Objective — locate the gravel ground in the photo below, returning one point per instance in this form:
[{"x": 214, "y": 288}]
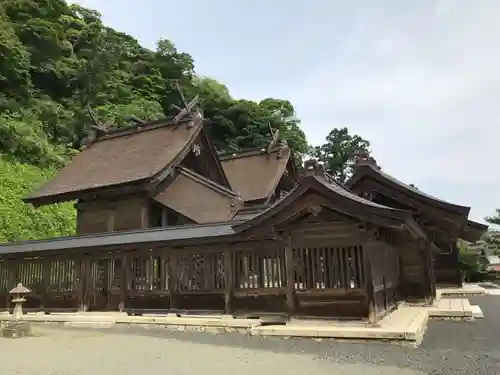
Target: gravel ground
[{"x": 449, "y": 348}]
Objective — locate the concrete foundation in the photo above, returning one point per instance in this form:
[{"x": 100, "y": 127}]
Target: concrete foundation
[{"x": 405, "y": 325}]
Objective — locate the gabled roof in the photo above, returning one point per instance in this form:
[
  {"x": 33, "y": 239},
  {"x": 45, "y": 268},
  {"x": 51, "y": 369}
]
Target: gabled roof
[
  {"x": 255, "y": 174},
  {"x": 199, "y": 198},
  {"x": 367, "y": 167},
  {"x": 343, "y": 200},
  {"x": 132, "y": 155}
]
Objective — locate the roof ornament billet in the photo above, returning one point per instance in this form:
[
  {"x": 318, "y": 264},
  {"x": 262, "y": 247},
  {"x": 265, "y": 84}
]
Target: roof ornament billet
[
  {"x": 364, "y": 158},
  {"x": 313, "y": 168}
]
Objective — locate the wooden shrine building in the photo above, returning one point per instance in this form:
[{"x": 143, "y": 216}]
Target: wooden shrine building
[
  {"x": 442, "y": 221},
  {"x": 166, "y": 224}
]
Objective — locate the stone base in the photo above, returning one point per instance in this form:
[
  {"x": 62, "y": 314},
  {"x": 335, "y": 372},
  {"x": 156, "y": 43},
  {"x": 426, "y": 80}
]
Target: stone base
[{"x": 13, "y": 330}]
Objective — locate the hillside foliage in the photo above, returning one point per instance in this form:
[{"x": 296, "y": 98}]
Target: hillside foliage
[{"x": 58, "y": 59}]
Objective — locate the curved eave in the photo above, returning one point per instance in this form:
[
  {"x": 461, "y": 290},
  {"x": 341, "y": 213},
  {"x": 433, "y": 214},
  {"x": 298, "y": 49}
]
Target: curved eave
[
  {"x": 473, "y": 231},
  {"x": 359, "y": 207},
  {"x": 128, "y": 187},
  {"x": 384, "y": 178}
]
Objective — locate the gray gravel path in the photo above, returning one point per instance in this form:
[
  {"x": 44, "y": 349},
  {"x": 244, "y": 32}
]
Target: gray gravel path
[{"x": 448, "y": 348}]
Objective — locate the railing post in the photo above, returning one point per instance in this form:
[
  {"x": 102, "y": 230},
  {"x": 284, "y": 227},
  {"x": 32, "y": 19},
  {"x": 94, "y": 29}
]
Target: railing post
[
  {"x": 285, "y": 240},
  {"x": 172, "y": 278},
  {"x": 124, "y": 282},
  {"x": 368, "y": 248},
  {"x": 84, "y": 284},
  {"x": 228, "y": 281}
]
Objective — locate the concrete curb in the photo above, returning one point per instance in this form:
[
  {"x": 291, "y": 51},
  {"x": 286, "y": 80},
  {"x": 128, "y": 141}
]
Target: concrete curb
[{"x": 395, "y": 327}]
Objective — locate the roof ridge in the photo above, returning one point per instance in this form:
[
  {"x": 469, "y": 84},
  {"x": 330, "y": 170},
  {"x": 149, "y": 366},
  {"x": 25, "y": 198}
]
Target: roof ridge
[
  {"x": 139, "y": 128},
  {"x": 250, "y": 152}
]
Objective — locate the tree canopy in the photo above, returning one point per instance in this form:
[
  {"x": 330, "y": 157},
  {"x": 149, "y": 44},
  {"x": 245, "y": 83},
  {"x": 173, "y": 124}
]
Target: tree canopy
[
  {"x": 56, "y": 59},
  {"x": 339, "y": 152}
]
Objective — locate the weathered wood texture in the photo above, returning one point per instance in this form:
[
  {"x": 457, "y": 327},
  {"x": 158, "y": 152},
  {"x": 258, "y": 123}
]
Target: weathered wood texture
[
  {"x": 107, "y": 216},
  {"x": 300, "y": 275},
  {"x": 447, "y": 264}
]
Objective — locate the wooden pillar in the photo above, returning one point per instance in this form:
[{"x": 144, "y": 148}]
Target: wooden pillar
[
  {"x": 163, "y": 256},
  {"x": 432, "y": 271},
  {"x": 145, "y": 216},
  {"x": 456, "y": 258},
  {"x": 149, "y": 271},
  {"x": 172, "y": 278},
  {"x": 11, "y": 280},
  {"x": 369, "y": 248},
  {"x": 429, "y": 286},
  {"x": 106, "y": 282},
  {"x": 46, "y": 267},
  {"x": 286, "y": 242},
  {"x": 85, "y": 284},
  {"x": 78, "y": 218},
  {"x": 124, "y": 277},
  {"x": 228, "y": 281}
]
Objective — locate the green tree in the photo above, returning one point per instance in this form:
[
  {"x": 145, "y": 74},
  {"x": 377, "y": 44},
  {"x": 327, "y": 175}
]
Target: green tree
[
  {"x": 57, "y": 59},
  {"x": 19, "y": 221},
  {"x": 339, "y": 152},
  {"x": 495, "y": 219}
]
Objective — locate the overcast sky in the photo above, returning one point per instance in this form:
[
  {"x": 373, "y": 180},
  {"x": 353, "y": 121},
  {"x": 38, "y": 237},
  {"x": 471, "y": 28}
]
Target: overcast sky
[{"x": 418, "y": 79}]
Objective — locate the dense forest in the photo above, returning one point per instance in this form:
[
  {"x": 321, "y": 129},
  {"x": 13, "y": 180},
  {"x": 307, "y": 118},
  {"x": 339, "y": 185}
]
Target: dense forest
[{"x": 57, "y": 59}]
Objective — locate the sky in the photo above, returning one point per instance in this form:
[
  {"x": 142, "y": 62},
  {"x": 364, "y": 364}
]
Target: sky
[{"x": 418, "y": 79}]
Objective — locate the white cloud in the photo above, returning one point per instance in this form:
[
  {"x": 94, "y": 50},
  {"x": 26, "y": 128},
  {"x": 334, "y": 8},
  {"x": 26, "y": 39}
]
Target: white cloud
[{"x": 427, "y": 98}]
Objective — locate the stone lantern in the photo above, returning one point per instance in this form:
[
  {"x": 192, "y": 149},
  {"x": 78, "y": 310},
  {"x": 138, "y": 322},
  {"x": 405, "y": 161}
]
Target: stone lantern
[
  {"x": 17, "y": 328},
  {"x": 19, "y": 292}
]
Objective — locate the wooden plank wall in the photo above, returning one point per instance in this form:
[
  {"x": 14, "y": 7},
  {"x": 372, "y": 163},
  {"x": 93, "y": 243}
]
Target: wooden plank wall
[{"x": 273, "y": 277}]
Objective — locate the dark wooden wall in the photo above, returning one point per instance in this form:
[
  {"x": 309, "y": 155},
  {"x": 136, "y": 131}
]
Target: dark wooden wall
[
  {"x": 107, "y": 216},
  {"x": 447, "y": 265}
]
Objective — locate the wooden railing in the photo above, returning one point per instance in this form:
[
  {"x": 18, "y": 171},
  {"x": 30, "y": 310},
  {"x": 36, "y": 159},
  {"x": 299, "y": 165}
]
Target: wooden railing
[{"x": 250, "y": 278}]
